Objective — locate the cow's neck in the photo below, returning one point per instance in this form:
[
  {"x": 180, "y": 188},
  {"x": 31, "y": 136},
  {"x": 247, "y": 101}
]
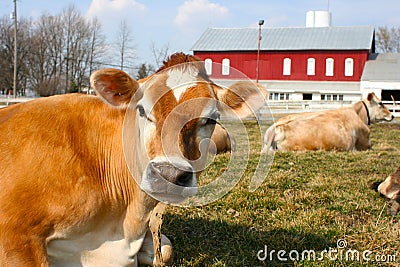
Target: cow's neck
[
  {"x": 363, "y": 112},
  {"x": 117, "y": 182}
]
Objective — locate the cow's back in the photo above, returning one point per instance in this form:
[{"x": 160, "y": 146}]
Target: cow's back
[
  {"x": 53, "y": 129},
  {"x": 327, "y": 130}
]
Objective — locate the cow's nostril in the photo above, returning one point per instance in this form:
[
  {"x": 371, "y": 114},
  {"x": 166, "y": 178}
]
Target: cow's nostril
[
  {"x": 374, "y": 186},
  {"x": 184, "y": 179},
  {"x": 174, "y": 174},
  {"x": 165, "y": 170}
]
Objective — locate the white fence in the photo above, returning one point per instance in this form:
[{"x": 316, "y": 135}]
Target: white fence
[
  {"x": 283, "y": 108},
  {"x": 6, "y": 101},
  {"x": 394, "y": 107}
]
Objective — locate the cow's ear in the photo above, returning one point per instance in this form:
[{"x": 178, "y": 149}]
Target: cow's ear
[
  {"x": 242, "y": 98},
  {"x": 115, "y": 86},
  {"x": 370, "y": 96}
]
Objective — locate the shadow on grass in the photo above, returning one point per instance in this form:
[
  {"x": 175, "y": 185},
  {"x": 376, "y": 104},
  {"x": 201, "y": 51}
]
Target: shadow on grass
[{"x": 200, "y": 242}]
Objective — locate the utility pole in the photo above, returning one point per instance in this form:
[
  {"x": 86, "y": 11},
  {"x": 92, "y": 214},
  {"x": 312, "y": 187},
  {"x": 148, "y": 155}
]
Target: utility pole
[
  {"x": 15, "y": 50},
  {"x": 260, "y": 23}
]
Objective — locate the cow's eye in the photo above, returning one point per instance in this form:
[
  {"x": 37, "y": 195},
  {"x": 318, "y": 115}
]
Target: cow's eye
[
  {"x": 142, "y": 112},
  {"x": 211, "y": 121}
]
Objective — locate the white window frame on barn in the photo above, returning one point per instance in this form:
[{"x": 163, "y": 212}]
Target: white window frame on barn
[
  {"x": 287, "y": 66},
  {"x": 311, "y": 66},
  {"x": 329, "y": 66},
  {"x": 226, "y": 66},
  {"x": 279, "y": 96},
  {"x": 331, "y": 97},
  {"x": 208, "y": 66},
  {"x": 348, "y": 67}
]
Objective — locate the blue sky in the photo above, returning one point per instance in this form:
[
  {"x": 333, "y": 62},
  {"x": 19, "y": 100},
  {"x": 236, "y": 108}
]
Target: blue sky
[{"x": 179, "y": 24}]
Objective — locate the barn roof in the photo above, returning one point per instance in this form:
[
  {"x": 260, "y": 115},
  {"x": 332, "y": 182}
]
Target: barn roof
[
  {"x": 304, "y": 38},
  {"x": 382, "y": 67}
]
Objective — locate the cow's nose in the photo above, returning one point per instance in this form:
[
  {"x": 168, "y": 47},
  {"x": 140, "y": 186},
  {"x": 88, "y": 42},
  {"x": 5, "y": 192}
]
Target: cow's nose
[
  {"x": 182, "y": 176},
  {"x": 374, "y": 186}
]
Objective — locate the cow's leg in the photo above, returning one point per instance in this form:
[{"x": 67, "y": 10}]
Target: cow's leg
[
  {"x": 363, "y": 142},
  {"x": 146, "y": 253},
  {"x": 17, "y": 249},
  {"x": 269, "y": 140}
]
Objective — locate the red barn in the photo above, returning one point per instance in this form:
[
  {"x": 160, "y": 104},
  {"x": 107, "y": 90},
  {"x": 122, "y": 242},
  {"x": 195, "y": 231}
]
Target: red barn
[{"x": 302, "y": 63}]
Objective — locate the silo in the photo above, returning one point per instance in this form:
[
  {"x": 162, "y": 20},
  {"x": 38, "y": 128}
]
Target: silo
[
  {"x": 310, "y": 19},
  {"x": 318, "y": 19}
]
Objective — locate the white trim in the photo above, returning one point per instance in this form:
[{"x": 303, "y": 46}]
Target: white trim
[
  {"x": 208, "y": 65},
  {"x": 311, "y": 66},
  {"x": 287, "y": 66},
  {"x": 329, "y": 66},
  {"x": 348, "y": 67},
  {"x": 226, "y": 64}
]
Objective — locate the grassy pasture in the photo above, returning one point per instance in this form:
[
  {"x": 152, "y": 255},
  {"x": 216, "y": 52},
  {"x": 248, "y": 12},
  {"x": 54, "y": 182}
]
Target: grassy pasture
[{"x": 309, "y": 201}]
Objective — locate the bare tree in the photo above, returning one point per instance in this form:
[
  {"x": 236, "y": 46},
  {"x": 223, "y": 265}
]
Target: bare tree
[
  {"x": 47, "y": 47},
  {"x": 160, "y": 54},
  {"x": 56, "y": 53},
  {"x": 24, "y": 51},
  {"x": 388, "y": 40},
  {"x": 124, "y": 45},
  {"x": 77, "y": 48},
  {"x": 97, "y": 45},
  {"x": 7, "y": 53},
  {"x": 83, "y": 42}
]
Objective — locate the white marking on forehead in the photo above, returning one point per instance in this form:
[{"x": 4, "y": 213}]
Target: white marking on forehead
[{"x": 179, "y": 80}]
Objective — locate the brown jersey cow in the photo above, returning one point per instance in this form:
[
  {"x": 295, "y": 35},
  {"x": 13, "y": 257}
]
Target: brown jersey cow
[
  {"x": 81, "y": 174},
  {"x": 342, "y": 129},
  {"x": 390, "y": 189},
  {"x": 222, "y": 141}
]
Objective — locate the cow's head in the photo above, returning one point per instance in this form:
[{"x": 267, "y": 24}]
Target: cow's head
[
  {"x": 390, "y": 189},
  {"x": 377, "y": 110},
  {"x": 169, "y": 120}
]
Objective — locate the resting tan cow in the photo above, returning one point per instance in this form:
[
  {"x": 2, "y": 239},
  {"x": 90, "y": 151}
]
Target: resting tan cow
[
  {"x": 222, "y": 141},
  {"x": 81, "y": 174},
  {"x": 342, "y": 129},
  {"x": 390, "y": 189}
]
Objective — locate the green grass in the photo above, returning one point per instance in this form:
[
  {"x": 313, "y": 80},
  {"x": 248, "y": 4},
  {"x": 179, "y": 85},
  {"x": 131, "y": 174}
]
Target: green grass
[{"x": 308, "y": 201}]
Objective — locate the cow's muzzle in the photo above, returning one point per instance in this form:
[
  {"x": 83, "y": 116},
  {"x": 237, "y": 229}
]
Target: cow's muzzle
[
  {"x": 374, "y": 186},
  {"x": 389, "y": 118},
  {"x": 393, "y": 203},
  {"x": 170, "y": 181},
  {"x": 179, "y": 175}
]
